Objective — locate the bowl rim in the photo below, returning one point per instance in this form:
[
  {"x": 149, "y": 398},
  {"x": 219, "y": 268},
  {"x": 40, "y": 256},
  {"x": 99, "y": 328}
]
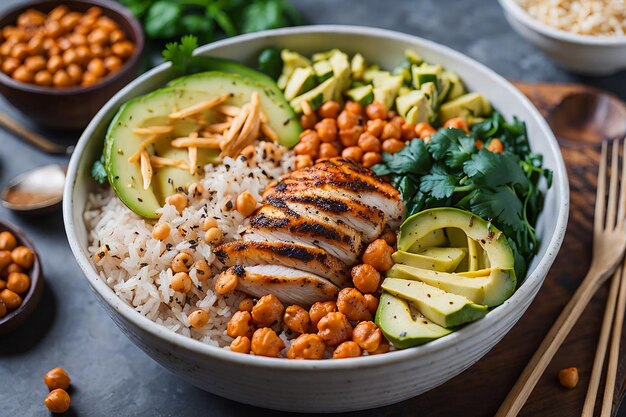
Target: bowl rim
[
  {"x": 513, "y": 8},
  {"x": 183, "y": 342},
  {"x": 106, "y": 81}
]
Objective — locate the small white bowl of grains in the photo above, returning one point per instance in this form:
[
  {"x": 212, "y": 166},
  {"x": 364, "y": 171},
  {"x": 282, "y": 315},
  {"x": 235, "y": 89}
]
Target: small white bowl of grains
[{"x": 583, "y": 36}]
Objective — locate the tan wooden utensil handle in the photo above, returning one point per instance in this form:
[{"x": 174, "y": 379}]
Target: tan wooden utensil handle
[{"x": 31, "y": 137}]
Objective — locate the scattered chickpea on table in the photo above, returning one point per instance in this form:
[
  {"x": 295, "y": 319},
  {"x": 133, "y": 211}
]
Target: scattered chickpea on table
[
  {"x": 57, "y": 381},
  {"x": 15, "y": 261}
]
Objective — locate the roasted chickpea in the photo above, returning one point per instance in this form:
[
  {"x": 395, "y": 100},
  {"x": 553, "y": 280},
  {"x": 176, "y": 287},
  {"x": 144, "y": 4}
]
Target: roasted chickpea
[
  {"x": 106, "y": 23},
  {"x": 112, "y": 63},
  {"x": 408, "y": 131},
  {"x": 9, "y": 65},
  {"x": 53, "y": 28},
  {"x": 365, "y": 278},
  {"x": 31, "y": 18},
  {"x": 424, "y": 130},
  {"x": 18, "y": 282},
  {"x": 43, "y": 78},
  {"x": 5, "y": 259},
  {"x": 370, "y": 159},
  {"x": 93, "y": 11},
  {"x": 181, "y": 282},
  {"x": 64, "y": 44},
  {"x": 267, "y": 311},
  {"x": 245, "y": 204},
  {"x": 75, "y": 72},
  {"x": 391, "y": 131},
  {"x": 306, "y": 148},
  {"x": 457, "y": 123},
  {"x": 347, "y": 349},
  {"x": 320, "y": 309},
  {"x": 378, "y": 254},
  {"x": 328, "y": 150},
  {"x": 61, "y": 79},
  {"x": 3, "y": 307},
  {"x": 395, "y": 119},
  {"x": 178, "y": 200},
  {"x": 89, "y": 79},
  {"x": 297, "y": 319},
  {"x": 350, "y": 137},
  {"x": 240, "y": 324},
  {"x": 57, "y": 378},
  {"x": 334, "y": 328},
  {"x": 58, "y": 12},
  {"x": 161, "y": 231},
  {"x": 568, "y": 377},
  {"x": 23, "y": 256},
  {"x": 12, "y": 267},
  {"x": 495, "y": 145},
  {"x": 307, "y": 346},
  {"x": 303, "y": 161},
  {"x": 35, "y": 63},
  {"x": 371, "y": 302},
  {"x": 19, "y": 51},
  {"x": 55, "y": 63},
  {"x": 367, "y": 335},
  {"x": 347, "y": 120},
  {"x": 98, "y": 36},
  {"x": 57, "y": 401},
  {"x": 208, "y": 223},
  {"x": 116, "y": 36},
  {"x": 198, "y": 319},
  {"x": 69, "y": 57},
  {"x": 308, "y": 121},
  {"x": 123, "y": 49},
  {"x": 11, "y": 299},
  {"x": 353, "y": 152},
  {"x": 353, "y": 107},
  {"x": 23, "y": 74},
  {"x": 213, "y": 236},
  {"x": 382, "y": 348},
  {"x": 352, "y": 304},
  {"x": 392, "y": 145},
  {"x": 246, "y": 304},
  {"x": 96, "y": 67},
  {"x": 310, "y": 136},
  {"x": 241, "y": 344},
  {"x": 83, "y": 54},
  {"x": 327, "y": 130},
  {"x": 376, "y": 111},
  {"x": 375, "y": 127},
  {"x": 203, "y": 270},
  {"x": 226, "y": 282},
  {"x": 330, "y": 109},
  {"x": 265, "y": 342},
  {"x": 390, "y": 237},
  {"x": 369, "y": 143},
  {"x": 182, "y": 262},
  {"x": 70, "y": 20}
]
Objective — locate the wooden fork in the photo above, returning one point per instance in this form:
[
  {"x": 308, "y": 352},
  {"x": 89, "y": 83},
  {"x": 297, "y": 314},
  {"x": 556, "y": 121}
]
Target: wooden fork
[{"x": 609, "y": 243}]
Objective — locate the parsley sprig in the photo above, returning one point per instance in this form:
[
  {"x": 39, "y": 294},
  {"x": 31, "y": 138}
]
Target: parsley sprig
[{"x": 450, "y": 171}]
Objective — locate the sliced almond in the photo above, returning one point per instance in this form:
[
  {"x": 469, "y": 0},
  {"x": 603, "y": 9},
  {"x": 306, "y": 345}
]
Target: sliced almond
[
  {"x": 142, "y": 147},
  {"x": 153, "y": 130},
  {"x": 159, "y": 162},
  {"x": 217, "y": 127},
  {"x": 229, "y": 110},
  {"x": 193, "y": 159},
  {"x": 199, "y": 107},
  {"x": 199, "y": 142},
  {"x": 146, "y": 169}
]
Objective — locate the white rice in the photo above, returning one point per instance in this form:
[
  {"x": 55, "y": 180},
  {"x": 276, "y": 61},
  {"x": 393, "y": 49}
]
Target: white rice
[{"x": 138, "y": 267}]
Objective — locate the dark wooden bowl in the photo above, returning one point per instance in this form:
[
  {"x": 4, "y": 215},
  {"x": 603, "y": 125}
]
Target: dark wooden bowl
[
  {"x": 73, "y": 107},
  {"x": 29, "y": 302}
]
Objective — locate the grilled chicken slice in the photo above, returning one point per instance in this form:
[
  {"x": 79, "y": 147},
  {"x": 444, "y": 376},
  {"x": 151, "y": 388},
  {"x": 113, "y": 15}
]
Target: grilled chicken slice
[
  {"x": 274, "y": 224},
  {"x": 291, "y": 286},
  {"x": 305, "y": 258}
]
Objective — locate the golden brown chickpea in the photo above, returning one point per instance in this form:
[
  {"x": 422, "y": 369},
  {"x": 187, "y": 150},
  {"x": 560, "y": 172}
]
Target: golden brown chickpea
[
  {"x": 369, "y": 143},
  {"x": 568, "y": 377},
  {"x": 347, "y": 120},
  {"x": 83, "y": 54},
  {"x": 61, "y": 79},
  {"x": 303, "y": 161},
  {"x": 13, "y": 267},
  {"x": 5, "y": 259},
  {"x": 23, "y": 74},
  {"x": 116, "y": 36},
  {"x": 375, "y": 127},
  {"x": 31, "y": 18},
  {"x": 69, "y": 57},
  {"x": 43, "y": 78},
  {"x": 367, "y": 335},
  {"x": 9, "y": 65},
  {"x": 352, "y": 304},
  {"x": 424, "y": 130},
  {"x": 226, "y": 282},
  {"x": 181, "y": 282},
  {"x": 198, "y": 319},
  {"x": 70, "y": 20},
  {"x": 75, "y": 72},
  {"x": 265, "y": 342},
  {"x": 327, "y": 130},
  {"x": 96, "y": 67},
  {"x": 55, "y": 63},
  {"x": 395, "y": 119},
  {"x": 370, "y": 159},
  {"x": 64, "y": 44},
  {"x": 203, "y": 270},
  {"x": 53, "y": 29},
  {"x": 350, "y": 137},
  {"x": 106, "y": 23},
  {"x": 14, "y": 33},
  {"x": 306, "y": 148},
  {"x": 19, "y": 51},
  {"x": 241, "y": 344},
  {"x": 57, "y": 401},
  {"x": 246, "y": 203},
  {"x": 35, "y": 63},
  {"x": 378, "y": 254},
  {"x": 392, "y": 145},
  {"x": 98, "y": 36},
  {"x": 123, "y": 49},
  {"x": 112, "y": 63},
  {"x": 178, "y": 200},
  {"x": 23, "y": 256},
  {"x": 58, "y": 12},
  {"x": 365, "y": 278},
  {"x": 307, "y": 346},
  {"x": 376, "y": 111},
  {"x": 320, "y": 309},
  {"x": 391, "y": 131},
  {"x": 371, "y": 302},
  {"x": 329, "y": 110},
  {"x": 3, "y": 307},
  {"x": 382, "y": 348},
  {"x": 347, "y": 349},
  {"x": 3, "y": 284},
  {"x": 77, "y": 39},
  {"x": 353, "y": 107},
  {"x": 353, "y": 152},
  {"x": 390, "y": 237},
  {"x": 57, "y": 378},
  {"x": 310, "y": 136},
  {"x": 208, "y": 223},
  {"x": 267, "y": 311},
  {"x": 408, "y": 131},
  {"x": 246, "y": 304},
  {"x": 297, "y": 319},
  {"x": 495, "y": 146},
  {"x": 89, "y": 79},
  {"x": 308, "y": 121},
  {"x": 213, "y": 236},
  {"x": 35, "y": 46},
  {"x": 11, "y": 299},
  {"x": 182, "y": 262},
  {"x": 93, "y": 11},
  {"x": 328, "y": 150},
  {"x": 334, "y": 328},
  {"x": 18, "y": 282},
  {"x": 240, "y": 324},
  {"x": 161, "y": 231}
]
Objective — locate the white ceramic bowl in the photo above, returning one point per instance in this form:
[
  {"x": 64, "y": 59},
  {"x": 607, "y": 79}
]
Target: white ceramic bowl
[
  {"x": 582, "y": 54},
  {"x": 325, "y": 386}
]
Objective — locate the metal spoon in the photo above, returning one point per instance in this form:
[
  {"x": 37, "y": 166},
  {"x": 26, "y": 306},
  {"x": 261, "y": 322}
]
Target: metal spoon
[{"x": 35, "y": 192}]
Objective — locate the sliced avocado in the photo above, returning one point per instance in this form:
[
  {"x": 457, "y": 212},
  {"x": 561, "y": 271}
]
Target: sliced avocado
[
  {"x": 323, "y": 56},
  {"x": 445, "y": 309},
  {"x": 341, "y": 72},
  {"x": 323, "y": 70},
  {"x": 406, "y": 102},
  {"x": 473, "y": 253},
  {"x": 404, "y": 90},
  {"x": 444, "y": 89},
  {"x": 401, "y": 326},
  {"x": 457, "y": 89},
  {"x": 435, "y": 238},
  {"x": 470, "y": 104},
  {"x": 315, "y": 97},
  {"x": 492, "y": 241},
  {"x": 404, "y": 72},
  {"x": 413, "y": 57},
  {"x": 386, "y": 89},
  {"x": 491, "y": 290},
  {"x": 425, "y": 73},
  {"x": 282, "y": 118},
  {"x": 301, "y": 81},
  {"x": 437, "y": 259},
  {"x": 291, "y": 61},
  {"x": 418, "y": 114},
  {"x": 374, "y": 73},
  {"x": 357, "y": 66},
  {"x": 363, "y": 95}
]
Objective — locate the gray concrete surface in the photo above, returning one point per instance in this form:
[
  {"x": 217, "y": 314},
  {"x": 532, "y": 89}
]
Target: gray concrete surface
[{"x": 111, "y": 377}]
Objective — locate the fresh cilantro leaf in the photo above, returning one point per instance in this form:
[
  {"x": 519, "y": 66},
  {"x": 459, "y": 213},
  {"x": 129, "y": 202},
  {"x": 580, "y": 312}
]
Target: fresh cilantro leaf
[
  {"x": 451, "y": 145},
  {"x": 162, "y": 20},
  {"x": 412, "y": 159},
  {"x": 501, "y": 205},
  {"x": 438, "y": 183},
  {"x": 262, "y": 15},
  {"x": 494, "y": 169},
  {"x": 98, "y": 172},
  {"x": 181, "y": 54}
]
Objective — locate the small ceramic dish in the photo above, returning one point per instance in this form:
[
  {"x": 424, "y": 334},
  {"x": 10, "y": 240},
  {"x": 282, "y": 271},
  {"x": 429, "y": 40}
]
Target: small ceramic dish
[{"x": 16, "y": 317}]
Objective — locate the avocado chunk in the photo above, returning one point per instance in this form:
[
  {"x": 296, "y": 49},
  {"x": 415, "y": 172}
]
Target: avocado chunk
[
  {"x": 403, "y": 327},
  {"x": 301, "y": 81},
  {"x": 363, "y": 95},
  {"x": 457, "y": 89},
  {"x": 436, "y": 237},
  {"x": 341, "y": 72},
  {"x": 470, "y": 104},
  {"x": 323, "y": 70},
  {"x": 491, "y": 289},
  {"x": 406, "y": 102},
  {"x": 291, "y": 61},
  {"x": 282, "y": 118},
  {"x": 357, "y": 66},
  {"x": 425, "y": 73},
  {"x": 315, "y": 97},
  {"x": 437, "y": 259},
  {"x": 386, "y": 89},
  {"x": 413, "y": 57},
  {"x": 445, "y": 309}
]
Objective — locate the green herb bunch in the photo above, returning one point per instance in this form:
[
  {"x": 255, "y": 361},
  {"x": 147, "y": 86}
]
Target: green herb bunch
[{"x": 450, "y": 171}]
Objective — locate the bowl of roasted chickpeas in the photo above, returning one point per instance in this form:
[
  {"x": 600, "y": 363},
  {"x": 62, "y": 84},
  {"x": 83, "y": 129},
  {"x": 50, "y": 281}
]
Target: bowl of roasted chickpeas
[
  {"x": 60, "y": 61},
  {"x": 21, "y": 282}
]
